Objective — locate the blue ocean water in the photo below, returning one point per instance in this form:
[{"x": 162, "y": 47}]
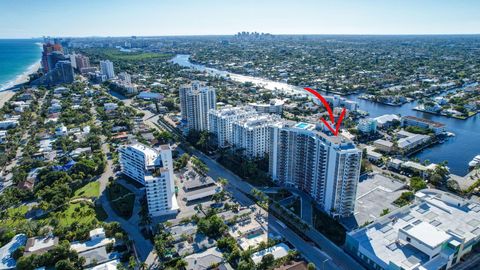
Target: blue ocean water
[{"x": 16, "y": 56}]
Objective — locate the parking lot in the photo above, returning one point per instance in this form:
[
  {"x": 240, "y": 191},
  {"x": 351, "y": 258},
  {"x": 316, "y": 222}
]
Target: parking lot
[{"x": 374, "y": 194}]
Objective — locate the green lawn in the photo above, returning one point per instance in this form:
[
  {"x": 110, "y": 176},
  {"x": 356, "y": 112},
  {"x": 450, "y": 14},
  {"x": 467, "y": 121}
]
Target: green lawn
[
  {"x": 90, "y": 190},
  {"x": 121, "y": 200},
  {"x": 80, "y": 212},
  {"x": 15, "y": 217}
]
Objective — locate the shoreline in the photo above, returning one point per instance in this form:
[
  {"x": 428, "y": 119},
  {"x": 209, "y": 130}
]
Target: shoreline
[{"x": 7, "y": 90}]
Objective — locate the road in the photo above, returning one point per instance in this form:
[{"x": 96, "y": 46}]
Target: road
[
  {"x": 336, "y": 258},
  {"x": 143, "y": 247},
  {"x": 306, "y": 203},
  {"x": 18, "y": 155},
  {"x": 238, "y": 187}
]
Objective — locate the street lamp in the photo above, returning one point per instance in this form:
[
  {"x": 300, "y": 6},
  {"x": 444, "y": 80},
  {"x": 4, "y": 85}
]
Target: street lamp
[{"x": 323, "y": 264}]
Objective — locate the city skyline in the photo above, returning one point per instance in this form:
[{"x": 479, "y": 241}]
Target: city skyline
[{"x": 168, "y": 18}]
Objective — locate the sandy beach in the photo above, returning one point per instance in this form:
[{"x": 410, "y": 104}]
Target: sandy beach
[{"x": 7, "y": 91}]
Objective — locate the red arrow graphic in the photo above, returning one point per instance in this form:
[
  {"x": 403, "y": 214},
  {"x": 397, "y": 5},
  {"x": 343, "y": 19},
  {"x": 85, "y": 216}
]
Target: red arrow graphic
[{"x": 330, "y": 112}]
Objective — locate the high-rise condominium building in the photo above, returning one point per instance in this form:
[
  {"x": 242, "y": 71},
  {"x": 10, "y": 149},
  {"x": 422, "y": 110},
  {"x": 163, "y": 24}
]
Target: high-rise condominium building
[
  {"x": 125, "y": 77},
  {"x": 154, "y": 169},
  {"x": 252, "y": 134},
  {"x": 106, "y": 68},
  {"x": 196, "y": 99},
  {"x": 49, "y": 48},
  {"x": 220, "y": 122},
  {"x": 81, "y": 62},
  {"x": 325, "y": 167},
  {"x": 61, "y": 73}
]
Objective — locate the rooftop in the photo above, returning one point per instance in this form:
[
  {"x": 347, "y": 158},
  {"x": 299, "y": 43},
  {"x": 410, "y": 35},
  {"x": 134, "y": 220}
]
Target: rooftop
[
  {"x": 40, "y": 245},
  {"x": 278, "y": 251},
  {"x": 233, "y": 111},
  {"x": 387, "y": 118},
  {"x": 150, "y": 153},
  {"x": 201, "y": 261},
  {"x": 111, "y": 265},
  {"x": 6, "y": 261},
  {"x": 260, "y": 120},
  {"x": 91, "y": 244},
  {"x": 198, "y": 182},
  {"x": 435, "y": 217},
  {"x": 383, "y": 142},
  {"x": 405, "y": 142},
  {"x": 423, "y": 120},
  {"x": 427, "y": 234}
]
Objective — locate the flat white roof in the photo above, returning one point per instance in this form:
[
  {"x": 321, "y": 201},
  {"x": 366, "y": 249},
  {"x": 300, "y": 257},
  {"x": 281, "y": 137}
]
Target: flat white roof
[
  {"x": 6, "y": 260},
  {"x": 278, "y": 251},
  {"x": 111, "y": 265},
  {"x": 438, "y": 214},
  {"x": 91, "y": 244},
  {"x": 150, "y": 153},
  {"x": 428, "y": 234},
  {"x": 39, "y": 243},
  {"x": 386, "y": 118},
  {"x": 383, "y": 142}
]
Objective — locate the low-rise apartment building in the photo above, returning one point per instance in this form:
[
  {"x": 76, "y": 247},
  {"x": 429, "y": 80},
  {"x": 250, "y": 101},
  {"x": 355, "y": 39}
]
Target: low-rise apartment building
[{"x": 434, "y": 232}]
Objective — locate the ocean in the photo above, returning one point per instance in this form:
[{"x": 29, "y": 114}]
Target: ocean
[{"x": 16, "y": 57}]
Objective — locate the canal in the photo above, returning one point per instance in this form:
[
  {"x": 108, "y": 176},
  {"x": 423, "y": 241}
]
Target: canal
[{"x": 458, "y": 150}]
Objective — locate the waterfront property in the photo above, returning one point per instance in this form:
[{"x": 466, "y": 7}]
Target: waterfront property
[
  {"x": 457, "y": 151},
  {"x": 435, "y": 232},
  {"x": 437, "y": 127}
]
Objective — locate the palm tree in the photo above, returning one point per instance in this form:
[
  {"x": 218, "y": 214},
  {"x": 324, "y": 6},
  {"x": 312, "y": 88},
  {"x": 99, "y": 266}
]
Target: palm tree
[
  {"x": 181, "y": 264},
  {"x": 222, "y": 181},
  {"x": 204, "y": 139}
]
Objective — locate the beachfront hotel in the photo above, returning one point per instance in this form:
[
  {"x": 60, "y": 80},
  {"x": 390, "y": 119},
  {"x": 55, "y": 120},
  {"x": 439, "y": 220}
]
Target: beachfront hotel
[
  {"x": 325, "y": 167},
  {"x": 154, "y": 169},
  {"x": 434, "y": 232}
]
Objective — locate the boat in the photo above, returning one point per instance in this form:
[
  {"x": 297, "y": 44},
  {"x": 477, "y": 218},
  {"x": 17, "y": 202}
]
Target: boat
[
  {"x": 475, "y": 162},
  {"x": 450, "y": 134}
]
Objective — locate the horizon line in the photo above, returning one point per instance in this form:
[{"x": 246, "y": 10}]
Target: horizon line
[{"x": 231, "y": 35}]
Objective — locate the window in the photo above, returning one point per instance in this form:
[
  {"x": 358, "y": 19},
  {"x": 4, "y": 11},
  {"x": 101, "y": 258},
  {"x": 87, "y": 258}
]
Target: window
[{"x": 408, "y": 239}]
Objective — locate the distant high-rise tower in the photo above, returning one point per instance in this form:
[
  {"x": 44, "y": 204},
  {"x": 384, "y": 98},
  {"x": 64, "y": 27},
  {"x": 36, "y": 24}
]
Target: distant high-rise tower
[
  {"x": 48, "y": 49},
  {"x": 65, "y": 70},
  {"x": 81, "y": 62},
  {"x": 61, "y": 73},
  {"x": 326, "y": 167},
  {"x": 196, "y": 100},
  {"x": 106, "y": 68}
]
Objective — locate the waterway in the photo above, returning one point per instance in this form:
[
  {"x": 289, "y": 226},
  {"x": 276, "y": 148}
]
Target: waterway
[{"x": 457, "y": 151}]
